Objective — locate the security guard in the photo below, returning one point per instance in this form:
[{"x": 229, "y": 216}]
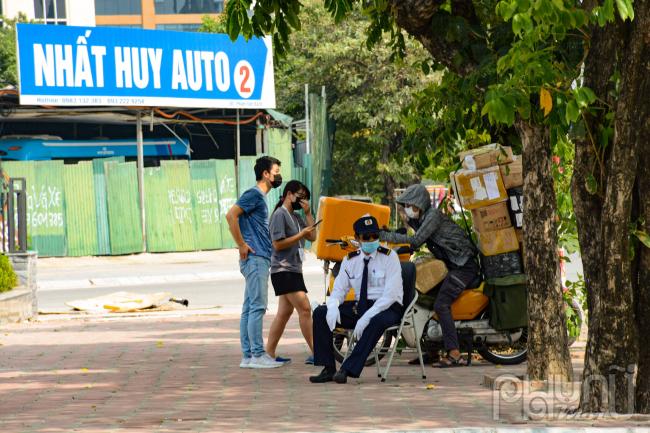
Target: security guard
[{"x": 375, "y": 274}]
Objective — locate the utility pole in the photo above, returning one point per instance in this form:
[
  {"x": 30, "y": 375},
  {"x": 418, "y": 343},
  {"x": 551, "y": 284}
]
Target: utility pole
[{"x": 140, "y": 144}]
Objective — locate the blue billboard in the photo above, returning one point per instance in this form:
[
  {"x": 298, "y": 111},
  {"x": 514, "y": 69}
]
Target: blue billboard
[{"x": 66, "y": 65}]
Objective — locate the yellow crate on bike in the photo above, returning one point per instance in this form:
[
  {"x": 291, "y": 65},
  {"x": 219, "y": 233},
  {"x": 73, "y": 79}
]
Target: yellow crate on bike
[{"x": 338, "y": 215}]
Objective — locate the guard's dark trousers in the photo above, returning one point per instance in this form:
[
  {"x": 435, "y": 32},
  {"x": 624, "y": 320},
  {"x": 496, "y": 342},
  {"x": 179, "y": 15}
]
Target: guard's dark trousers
[{"x": 323, "y": 349}]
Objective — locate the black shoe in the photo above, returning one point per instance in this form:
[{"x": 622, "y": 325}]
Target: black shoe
[
  {"x": 341, "y": 376},
  {"x": 327, "y": 375},
  {"x": 427, "y": 358}
]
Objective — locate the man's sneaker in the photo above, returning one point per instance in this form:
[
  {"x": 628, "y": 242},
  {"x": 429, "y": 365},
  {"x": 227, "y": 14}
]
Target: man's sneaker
[
  {"x": 310, "y": 360},
  {"x": 264, "y": 361},
  {"x": 283, "y": 360},
  {"x": 245, "y": 363}
]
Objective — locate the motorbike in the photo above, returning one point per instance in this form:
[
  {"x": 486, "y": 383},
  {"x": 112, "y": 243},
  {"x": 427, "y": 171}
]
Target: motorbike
[{"x": 470, "y": 311}]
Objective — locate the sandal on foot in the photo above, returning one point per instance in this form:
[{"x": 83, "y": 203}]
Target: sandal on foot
[{"x": 450, "y": 362}]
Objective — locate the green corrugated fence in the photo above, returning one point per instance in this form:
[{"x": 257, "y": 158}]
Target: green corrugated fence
[
  {"x": 80, "y": 210},
  {"x": 123, "y": 208},
  {"x": 93, "y": 207}
]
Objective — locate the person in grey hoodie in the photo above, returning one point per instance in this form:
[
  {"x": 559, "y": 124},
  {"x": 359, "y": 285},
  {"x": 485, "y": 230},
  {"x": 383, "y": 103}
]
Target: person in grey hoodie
[{"x": 448, "y": 242}]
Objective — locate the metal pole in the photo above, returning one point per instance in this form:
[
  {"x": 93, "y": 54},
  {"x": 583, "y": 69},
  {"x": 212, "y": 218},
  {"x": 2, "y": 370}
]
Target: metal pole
[
  {"x": 307, "y": 140},
  {"x": 140, "y": 141},
  {"x": 238, "y": 142}
]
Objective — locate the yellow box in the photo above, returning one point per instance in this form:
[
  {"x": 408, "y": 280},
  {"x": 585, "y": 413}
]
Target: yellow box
[
  {"x": 490, "y": 218},
  {"x": 479, "y": 188},
  {"x": 429, "y": 272},
  {"x": 512, "y": 173},
  {"x": 338, "y": 215},
  {"x": 486, "y": 156},
  {"x": 498, "y": 242}
]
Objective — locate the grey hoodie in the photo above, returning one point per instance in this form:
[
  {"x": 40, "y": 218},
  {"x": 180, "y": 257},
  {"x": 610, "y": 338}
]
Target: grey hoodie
[{"x": 444, "y": 238}]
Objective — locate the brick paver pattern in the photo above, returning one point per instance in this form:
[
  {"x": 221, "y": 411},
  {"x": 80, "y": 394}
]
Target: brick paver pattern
[{"x": 180, "y": 373}]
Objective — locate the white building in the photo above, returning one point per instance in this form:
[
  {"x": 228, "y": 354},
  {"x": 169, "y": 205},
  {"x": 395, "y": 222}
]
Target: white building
[
  {"x": 180, "y": 15},
  {"x": 65, "y": 12}
]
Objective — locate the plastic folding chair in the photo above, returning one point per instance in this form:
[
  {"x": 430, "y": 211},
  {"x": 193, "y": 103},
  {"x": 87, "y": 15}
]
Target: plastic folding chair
[{"x": 408, "y": 321}]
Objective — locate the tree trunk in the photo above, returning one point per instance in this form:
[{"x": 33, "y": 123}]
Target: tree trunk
[
  {"x": 599, "y": 67},
  {"x": 643, "y": 287},
  {"x": 611, "y": 276},
  {"x": 548, "y": 350},
  {"x": 642, "y": 128}
]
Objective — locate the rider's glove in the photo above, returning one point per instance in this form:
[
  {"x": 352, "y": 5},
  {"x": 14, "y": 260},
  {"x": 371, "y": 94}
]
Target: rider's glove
[
  {"x": 361, "y": 326},
  {"x": 333, "y": 314}
]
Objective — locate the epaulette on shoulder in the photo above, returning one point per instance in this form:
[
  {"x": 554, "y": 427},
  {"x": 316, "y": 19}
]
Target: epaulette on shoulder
[
  {"x": 354, "y": 254},
  {"x": 384, "y": 250}
]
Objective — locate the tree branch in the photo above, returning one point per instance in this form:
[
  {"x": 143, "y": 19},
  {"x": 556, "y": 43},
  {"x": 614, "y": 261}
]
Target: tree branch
[{"x": 415, "y": 17}]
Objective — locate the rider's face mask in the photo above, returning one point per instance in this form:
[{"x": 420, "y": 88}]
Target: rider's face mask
[{"x": 411, "y": 213}]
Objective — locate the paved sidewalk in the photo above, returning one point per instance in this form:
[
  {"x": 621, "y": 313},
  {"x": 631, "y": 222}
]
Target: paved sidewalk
[{"x": 171, "y": 372}]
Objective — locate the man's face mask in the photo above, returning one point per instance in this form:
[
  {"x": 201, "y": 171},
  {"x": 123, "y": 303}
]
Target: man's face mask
[
  {"x": 411, "y": 213},
  {"x": 277, "y": 181}
]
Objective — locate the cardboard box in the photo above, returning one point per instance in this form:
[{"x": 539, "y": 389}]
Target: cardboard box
[
  {"x": 498, "y": 242},
  {"x": 520, "y": 239},
  {"x": 486, "y": 156},
  {"x": 429, "y": 272},
  {"x": 338, "y": 215},
  {"x": 490, "y": 218},
  {"x": 479, "y": 188},
  {"x": 512, "y": 173}
]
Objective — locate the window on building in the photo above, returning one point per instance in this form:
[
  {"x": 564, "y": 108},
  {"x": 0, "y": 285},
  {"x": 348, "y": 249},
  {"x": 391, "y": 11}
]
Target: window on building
[
  {"x": 50, "y": 11},
  {"x": 124, "y": 26},
  {"x": 179, "y": 27},
  {"x": 118, "y": 7},
  {"x": 189, "y": 6}
]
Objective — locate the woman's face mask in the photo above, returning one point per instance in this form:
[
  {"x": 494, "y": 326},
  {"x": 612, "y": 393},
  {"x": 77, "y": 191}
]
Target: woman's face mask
[{"x": 411, "y": 213}]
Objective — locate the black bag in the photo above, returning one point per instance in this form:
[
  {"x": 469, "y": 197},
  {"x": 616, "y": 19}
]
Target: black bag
[
  {"x": 502, "y": 265},
  {"x": 508, "y": 301}
]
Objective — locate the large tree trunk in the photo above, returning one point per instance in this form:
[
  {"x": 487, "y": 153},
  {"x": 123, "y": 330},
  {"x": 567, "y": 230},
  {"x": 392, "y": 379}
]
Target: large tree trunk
[
  {"x": 611, "y": 276},
  {"x": 548, "y": 350},
  {"x": 641, "y": 124},
  {"x": 643, "y": 287},
  {"x": 587, "y": 208}
]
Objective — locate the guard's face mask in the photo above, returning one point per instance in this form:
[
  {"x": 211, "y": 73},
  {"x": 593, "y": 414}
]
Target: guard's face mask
[{"x": 370, "y": 247}]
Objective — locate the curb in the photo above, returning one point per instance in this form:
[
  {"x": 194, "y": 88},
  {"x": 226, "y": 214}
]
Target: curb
[{"x": 53, "y": 285}]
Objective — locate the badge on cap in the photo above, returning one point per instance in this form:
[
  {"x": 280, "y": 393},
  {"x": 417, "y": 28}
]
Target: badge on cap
[{"x": 368, "y": 222}]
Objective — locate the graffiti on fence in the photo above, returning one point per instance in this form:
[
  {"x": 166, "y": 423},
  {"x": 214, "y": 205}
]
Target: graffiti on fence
[
  {"x": 44, "y": 207},
  {"x": 181, "y": 202},
  {"x": 207, "y": 201}
]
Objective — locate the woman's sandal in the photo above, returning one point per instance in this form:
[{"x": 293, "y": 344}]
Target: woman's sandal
[{"x": 451, "y": 362}]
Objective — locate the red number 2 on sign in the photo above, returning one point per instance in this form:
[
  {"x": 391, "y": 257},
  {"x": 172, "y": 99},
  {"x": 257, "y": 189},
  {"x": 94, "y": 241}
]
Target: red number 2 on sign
[{"x": 243, "y": 70}]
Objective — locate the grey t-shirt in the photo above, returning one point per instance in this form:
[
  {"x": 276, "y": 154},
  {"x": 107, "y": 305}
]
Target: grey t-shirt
[{"x": 284, "y": 225}]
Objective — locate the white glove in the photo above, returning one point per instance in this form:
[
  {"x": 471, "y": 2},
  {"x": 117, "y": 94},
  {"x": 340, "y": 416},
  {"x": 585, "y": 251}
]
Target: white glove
[
  {"x": 333, "y": 315},
  {"x": 362, "y": 323}
]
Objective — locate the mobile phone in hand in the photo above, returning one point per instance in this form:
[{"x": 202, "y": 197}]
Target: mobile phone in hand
[{"x": 317, "y": 222}]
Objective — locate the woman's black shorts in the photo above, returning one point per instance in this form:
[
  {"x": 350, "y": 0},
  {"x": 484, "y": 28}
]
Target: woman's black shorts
[{"x": 287, "y": 282}]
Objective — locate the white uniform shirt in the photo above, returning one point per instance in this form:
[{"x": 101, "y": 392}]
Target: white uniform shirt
[{"x": 384, "y": 281}]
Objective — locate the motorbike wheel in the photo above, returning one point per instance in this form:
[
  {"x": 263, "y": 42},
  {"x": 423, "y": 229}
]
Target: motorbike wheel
[
  {"x": 340, "y": 342},
  {"x": 506, "y": 354}
]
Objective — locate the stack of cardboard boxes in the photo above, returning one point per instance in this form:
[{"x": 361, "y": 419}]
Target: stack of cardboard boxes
[{"x": 490, "y": 186}]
